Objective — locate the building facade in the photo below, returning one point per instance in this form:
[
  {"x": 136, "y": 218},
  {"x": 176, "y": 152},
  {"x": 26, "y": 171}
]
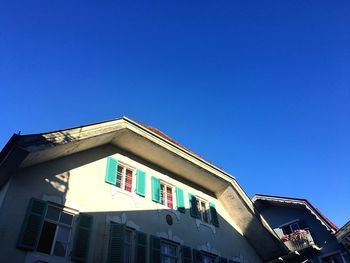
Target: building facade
[
  {"x": 308, "y": 234},
  {"x": 343, "y": 236},
  {"x": 120, "y": 191}
]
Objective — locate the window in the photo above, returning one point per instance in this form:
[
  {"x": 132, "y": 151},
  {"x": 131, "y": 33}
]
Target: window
[
  {"x": 126, "y": 244},
  {"x": 129, "y": 245},
  {"x": 203, "y": 208},
  {"x": 56, "y": 232},
  {"x": 168, "y": 252},
  {"x": 47, "y": 228},
  {"x": 288, "y": 229},
  {"x": 163, "y": 193},
  {"x": 166, "y": 195},
  {"x": 124, "y": 178},
  {"x": 205, "y": 257},
  {"x": 335, "y": 258}
]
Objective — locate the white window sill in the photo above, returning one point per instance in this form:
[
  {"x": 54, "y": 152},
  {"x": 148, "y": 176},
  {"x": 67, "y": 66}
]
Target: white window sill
[{"x": 115, "y": 190}]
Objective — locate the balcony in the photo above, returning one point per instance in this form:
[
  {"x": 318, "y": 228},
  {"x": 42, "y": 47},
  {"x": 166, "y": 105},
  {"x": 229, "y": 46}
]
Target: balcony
[{"x": 298, "y": 240}]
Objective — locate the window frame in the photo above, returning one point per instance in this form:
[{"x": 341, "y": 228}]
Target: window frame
[
  {"x": 132, "y": 244},
  {"x": 177, "y": 257},
  {"x": 200, "y": 201},
  {"x": 126, "y": 167},
  {"x": 165, "y": 196},
  {"x": 59, "y": 225},
  {"x": 289, "y": 227},
  {"x": 210, "y": 255}
]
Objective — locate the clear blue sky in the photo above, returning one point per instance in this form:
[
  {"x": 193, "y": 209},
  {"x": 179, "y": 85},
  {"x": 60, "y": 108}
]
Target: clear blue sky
[{"x": 260, "y": 88}]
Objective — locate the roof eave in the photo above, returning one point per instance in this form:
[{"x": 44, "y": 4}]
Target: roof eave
[{"x": 300, "y": 201}]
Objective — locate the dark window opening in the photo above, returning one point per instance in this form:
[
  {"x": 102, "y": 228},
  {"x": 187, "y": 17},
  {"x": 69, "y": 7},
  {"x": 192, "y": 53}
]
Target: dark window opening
[{"x": 46, "y": 238}]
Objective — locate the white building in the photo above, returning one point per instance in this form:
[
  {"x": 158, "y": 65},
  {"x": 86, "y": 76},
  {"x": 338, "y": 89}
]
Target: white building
[{"x": 120, "y": 191}]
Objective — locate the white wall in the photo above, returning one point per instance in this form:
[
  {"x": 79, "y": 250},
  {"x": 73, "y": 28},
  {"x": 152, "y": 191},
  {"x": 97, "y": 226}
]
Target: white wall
[{"x": 78, "y": 182}]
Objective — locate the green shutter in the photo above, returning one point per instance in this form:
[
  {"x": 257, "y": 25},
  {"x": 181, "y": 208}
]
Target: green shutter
[
  {"x": 155, "y": 249},
  {"x": 141, "y": 183},
  {"x": 155, "y": 189},
  {"x": 32, "y": 224},
  {"x": 193, "y": 206},
  {"x": 186, "y": 254},
  {"x": 214, "y": 215},
  {"x": 82, "y": 238},
  {"x": 111, "y": 171},
  {"x": 116, "y": 243},
  {"x": 141, "y": 247},
  {"x": 180, "y": 200}
]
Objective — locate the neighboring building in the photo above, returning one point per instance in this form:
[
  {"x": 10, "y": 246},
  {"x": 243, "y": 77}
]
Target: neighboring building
[
  {"x": 308, "y": 234},
  {"x": 120, "y": 191},
  {"x": 343, "y": 236}
]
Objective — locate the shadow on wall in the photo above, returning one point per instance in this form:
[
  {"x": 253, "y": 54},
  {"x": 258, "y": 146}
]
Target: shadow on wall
[
  {"x": 50, "y": 181},
  {"x": 52, "y": 178},
  {"x": 107, "y": 233}
]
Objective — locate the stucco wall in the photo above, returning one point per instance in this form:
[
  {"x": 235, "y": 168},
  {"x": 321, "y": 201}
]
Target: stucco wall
[{"x": 78, "y": 181}]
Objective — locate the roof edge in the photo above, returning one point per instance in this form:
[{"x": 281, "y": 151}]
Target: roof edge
[
  {"x": 148, "y": 129},
  {"x": 326, "y": 221}
]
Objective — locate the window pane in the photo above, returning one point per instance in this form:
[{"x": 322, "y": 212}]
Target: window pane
[
  {"x": 128, "y": 180},
  {"x": 207, "y": 259},
  {"x": 53, "y": 213},
  {"x": 128, "y": 253},
  {"x": 294, "y": 227},
  {"x": 162, "y": 195},
  {"x": 66, "y": 218},
  {"x": 205, "y": 217},
  {"x": 168, "y": 249},
  {"x": 60, "y": 249},
  {"x": 286, "y": 230},
  {"x": 46, "y": 237},
  {"x": 128, "y": 246},
  {"x": 63, "y": 234},
  {"x": 205, "y": 213},
  {"x": 119, "y": 176},
  {"x": 128, "y": 236},
  {"x": 169, "y": 194}
]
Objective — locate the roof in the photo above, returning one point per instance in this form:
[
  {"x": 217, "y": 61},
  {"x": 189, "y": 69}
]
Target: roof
[
  {"x": 302, "y": 201},
  {"x": 344, "y": 230},
  {"x": 165, "y": 136}
]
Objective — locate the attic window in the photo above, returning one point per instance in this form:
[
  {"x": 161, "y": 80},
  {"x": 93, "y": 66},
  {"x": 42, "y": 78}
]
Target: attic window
[
  {"x": 124, "y": 178},
  {"x": 166, "y": 195},
  {"x": 203, "y": 208},
  {"x": 288, "y": 229}
]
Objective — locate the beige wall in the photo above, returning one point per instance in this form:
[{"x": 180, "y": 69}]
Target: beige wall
[{"x": 78, "y": 182}]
